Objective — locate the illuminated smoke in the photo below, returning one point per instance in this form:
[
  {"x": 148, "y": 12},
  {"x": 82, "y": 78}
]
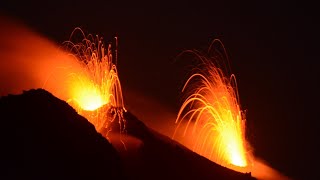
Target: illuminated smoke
[
  {"x": 28, "y": 59},
  {"x": 211, "y": 117}
]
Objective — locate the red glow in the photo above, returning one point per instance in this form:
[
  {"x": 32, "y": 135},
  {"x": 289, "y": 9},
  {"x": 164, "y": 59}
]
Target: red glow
[{"x": 262, "y": 171}]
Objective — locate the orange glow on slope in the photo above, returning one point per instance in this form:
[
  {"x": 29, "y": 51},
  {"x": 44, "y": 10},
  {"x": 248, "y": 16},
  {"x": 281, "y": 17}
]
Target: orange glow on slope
[
  {"x": 262, "y": 171},
  {"x": 211, "y": 116}
]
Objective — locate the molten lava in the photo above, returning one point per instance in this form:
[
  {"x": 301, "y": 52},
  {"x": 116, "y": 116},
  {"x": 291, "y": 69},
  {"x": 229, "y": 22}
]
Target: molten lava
[
  {"x": 87, "y": 96},
  {"x": 97, "y": 84},
  {"x": 211, "y": 116}
]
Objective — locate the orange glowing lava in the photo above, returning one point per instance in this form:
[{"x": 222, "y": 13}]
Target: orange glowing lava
[
  {"x": 88, "y": 98},
  {"x": 97, "y": 83},
  {"x": 211, "y": 116}
]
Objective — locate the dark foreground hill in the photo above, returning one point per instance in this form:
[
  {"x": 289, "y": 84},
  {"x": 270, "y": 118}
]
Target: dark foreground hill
[{"x": 42, "y": 137}]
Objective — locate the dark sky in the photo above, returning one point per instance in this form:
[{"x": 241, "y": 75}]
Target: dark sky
[{"x": 271, "y": 45}]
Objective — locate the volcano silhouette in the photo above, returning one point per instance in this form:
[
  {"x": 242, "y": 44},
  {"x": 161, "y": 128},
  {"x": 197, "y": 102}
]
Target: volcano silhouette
[{"x": 42, "y": 137}]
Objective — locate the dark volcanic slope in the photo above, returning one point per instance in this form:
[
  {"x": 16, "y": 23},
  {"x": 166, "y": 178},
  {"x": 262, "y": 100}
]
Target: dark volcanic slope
[
  {"x": 42, "y": 137},
  {"x": 163, "y": 158}
]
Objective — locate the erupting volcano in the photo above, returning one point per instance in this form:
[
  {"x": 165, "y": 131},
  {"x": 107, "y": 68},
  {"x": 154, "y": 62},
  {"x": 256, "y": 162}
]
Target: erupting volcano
[
  {"x": 211, "y": 114},
  {"x": 82, "y": 73},
  {"x": 98, "y": 84}
]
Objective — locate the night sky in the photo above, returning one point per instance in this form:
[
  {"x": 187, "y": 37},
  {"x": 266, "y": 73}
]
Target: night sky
[{"x": 272, "y": 48}]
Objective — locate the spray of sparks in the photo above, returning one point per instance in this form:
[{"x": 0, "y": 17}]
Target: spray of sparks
[
  {"x": 95, "y": 92},
  {"x": 211, "y": 114}
]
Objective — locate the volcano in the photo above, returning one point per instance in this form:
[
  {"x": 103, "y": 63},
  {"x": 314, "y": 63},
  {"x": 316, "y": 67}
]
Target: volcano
[{"x": 42, "y": 137}]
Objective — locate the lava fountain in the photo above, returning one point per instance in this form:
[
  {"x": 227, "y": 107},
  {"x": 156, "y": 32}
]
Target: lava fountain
[
  {"x": 81, "y": 71},
  {"x": 95, "y": 91},
  {"x": 211, "y": 117}
]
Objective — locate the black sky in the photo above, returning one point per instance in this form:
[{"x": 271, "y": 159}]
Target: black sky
[{"x": 272, "y": 48}]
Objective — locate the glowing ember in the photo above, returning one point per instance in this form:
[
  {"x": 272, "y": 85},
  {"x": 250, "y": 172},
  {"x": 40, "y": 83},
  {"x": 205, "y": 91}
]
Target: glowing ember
[
  {"x": 88, "y": 98},
  {"x": 97, "y": 84},
  {"x": 213, "y": 109}
]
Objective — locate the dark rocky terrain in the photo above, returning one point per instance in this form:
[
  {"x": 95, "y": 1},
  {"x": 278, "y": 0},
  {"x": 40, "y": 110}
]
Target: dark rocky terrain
[{"x": 42, "y": 137}]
